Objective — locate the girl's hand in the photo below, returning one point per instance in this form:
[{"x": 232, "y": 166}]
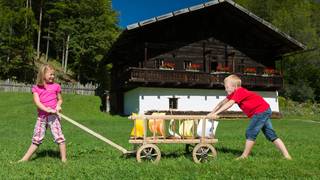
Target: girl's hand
[
  {"x": 49, "y": 110},
  {"x": 58, "y": 108}
]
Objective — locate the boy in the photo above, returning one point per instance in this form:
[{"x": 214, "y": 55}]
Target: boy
[{"x": 256, "y": 108}]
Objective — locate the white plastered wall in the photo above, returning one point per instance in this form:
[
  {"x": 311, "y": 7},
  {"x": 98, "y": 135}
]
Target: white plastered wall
[{"x": 143, "y": 99}]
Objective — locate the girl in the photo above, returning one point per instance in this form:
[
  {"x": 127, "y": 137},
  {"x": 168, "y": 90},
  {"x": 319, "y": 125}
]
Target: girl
[{"x": 48, "y": 99}]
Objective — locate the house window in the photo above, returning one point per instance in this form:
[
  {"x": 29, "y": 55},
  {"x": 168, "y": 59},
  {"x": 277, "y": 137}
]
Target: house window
[
  {"x": 213, "y": 66},
  {"x": 159, "y": 63},
  {"x": 260, "y": 69},
  {"x": 173, "y": 103},
  {"x": 240, "y": 66},
  {"x": 187, "y": 64}
]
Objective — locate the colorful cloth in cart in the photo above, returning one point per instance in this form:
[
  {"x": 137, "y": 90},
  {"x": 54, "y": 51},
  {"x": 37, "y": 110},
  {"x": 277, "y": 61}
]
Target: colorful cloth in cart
[
  {"x": 157, "y": 126},
  {"x": 186, "y": 128},
  {"x": 173, "y": 129},
  {"x": 210, "y": 128},
  {"x": 137, "y": 130}
]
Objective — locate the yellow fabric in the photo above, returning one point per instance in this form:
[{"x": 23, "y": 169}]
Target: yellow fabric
[
  {"x": 186, "y": 128},
  {"x": 157, "y": 125},
  {"x": 139, "y": 127}
]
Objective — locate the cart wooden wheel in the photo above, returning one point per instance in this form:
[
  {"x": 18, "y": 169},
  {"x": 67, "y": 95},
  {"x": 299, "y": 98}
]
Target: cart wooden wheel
[
  {"x": 203, "y": 153},
  {"x": 148, "y": 152}
]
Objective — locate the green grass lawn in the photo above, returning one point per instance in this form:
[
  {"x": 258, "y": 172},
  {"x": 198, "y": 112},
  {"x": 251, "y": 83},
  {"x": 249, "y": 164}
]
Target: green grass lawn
[{"x": 90, "y": 158}]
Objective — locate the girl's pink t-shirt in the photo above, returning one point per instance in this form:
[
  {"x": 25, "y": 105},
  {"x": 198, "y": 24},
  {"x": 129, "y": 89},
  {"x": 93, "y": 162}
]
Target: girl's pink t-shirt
[
  {"x": 250, "y": 102},
  {"x": 48, "y": 95}
]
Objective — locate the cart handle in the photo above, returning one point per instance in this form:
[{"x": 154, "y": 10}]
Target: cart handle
[
  {"x": 120, "y": 148},
  {"x": 169, "y": 117}
]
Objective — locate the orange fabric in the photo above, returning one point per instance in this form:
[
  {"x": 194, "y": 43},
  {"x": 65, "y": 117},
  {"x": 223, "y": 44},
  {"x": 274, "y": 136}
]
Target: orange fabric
[{"x": 157, "y": 125}]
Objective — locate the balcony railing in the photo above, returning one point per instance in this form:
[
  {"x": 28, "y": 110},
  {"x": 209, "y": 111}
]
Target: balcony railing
[{"x": 187, "y": 78}]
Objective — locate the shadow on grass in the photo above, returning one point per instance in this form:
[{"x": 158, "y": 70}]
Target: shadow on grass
[{"x": 46, "y": 153}]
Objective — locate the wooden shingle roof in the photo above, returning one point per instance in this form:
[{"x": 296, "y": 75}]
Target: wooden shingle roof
[{"x": 222, "y": 19}]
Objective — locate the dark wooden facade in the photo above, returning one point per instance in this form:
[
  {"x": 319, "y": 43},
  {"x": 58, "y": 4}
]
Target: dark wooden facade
[
  {"x": 198, "y": 49},
  {"x": 188, "y": 79}
]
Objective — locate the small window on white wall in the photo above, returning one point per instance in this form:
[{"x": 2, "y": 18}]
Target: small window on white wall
[{"x": 173, "y": 103}]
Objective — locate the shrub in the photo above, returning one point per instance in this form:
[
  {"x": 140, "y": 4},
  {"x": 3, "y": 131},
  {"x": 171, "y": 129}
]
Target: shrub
[{"x": 291, "y": 108}]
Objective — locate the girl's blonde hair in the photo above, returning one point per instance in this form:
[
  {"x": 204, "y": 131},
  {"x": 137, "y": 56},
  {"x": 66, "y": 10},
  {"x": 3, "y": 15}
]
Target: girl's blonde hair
[
  {"x": 234, "y": 79},
  {"x": 41, "y": 73}
]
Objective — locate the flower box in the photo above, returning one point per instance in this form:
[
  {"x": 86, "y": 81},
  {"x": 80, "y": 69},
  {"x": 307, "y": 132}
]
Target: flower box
[
  {"x": 193, "y": 70},
  {"x": 194, "y": 67},
  {"x": 167, "y": 66},
  {"x": 250, "y": 70},
  {"x": 270, "y": 72},
  {"x": 222, "y": 70}
]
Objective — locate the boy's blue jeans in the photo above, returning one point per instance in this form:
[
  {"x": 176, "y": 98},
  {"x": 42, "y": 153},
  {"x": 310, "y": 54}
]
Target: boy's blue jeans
[{"x": 262, "y": 122}]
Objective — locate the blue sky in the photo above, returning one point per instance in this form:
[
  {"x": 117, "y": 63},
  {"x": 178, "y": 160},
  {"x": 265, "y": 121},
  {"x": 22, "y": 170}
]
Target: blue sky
[{"x": 132, "y": 11}]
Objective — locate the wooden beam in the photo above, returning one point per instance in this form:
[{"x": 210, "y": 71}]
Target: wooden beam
[
  {"x": 204, "y": 57},
  {"x": 169, "y": 117},
  {"x": 145, "y": 53},
  {"x": 172, "y": 141}
]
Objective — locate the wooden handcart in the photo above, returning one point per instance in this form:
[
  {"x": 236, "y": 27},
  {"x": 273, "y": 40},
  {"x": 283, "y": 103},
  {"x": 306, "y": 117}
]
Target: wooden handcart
[{"x": 149, "y": 151}]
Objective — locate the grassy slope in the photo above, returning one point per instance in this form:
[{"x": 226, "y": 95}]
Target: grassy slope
[{"x": 89, "y": 158}]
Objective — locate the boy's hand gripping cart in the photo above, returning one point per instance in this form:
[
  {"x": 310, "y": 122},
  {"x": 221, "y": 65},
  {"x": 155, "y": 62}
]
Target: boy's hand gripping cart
[{"x": 148, "y": 151}]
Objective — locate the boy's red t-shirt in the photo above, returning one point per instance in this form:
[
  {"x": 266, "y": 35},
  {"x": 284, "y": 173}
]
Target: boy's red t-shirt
[{"x": 250, "y": 102}]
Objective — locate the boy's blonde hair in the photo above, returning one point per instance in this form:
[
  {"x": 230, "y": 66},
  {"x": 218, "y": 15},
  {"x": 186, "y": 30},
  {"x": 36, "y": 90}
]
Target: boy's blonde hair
[
  {"x": 234, "y": 79},
  {"x": 41, "y": 73}
]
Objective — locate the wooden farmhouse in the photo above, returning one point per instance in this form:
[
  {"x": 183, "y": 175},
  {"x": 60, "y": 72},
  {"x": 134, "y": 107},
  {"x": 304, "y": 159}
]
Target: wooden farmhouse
[{"x": 176, "y": 62}]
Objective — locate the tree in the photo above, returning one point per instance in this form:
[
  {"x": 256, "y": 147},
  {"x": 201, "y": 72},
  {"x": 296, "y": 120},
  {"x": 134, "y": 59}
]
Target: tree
[
  {"x": 90, "y": 25},
  {"x": 16, "y": 49},
  {"x": 91, "y": 34},
  {"x": 299, "y": 19}
]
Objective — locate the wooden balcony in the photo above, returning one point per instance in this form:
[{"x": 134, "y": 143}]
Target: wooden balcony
[{"x": 178, "y": 78}]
